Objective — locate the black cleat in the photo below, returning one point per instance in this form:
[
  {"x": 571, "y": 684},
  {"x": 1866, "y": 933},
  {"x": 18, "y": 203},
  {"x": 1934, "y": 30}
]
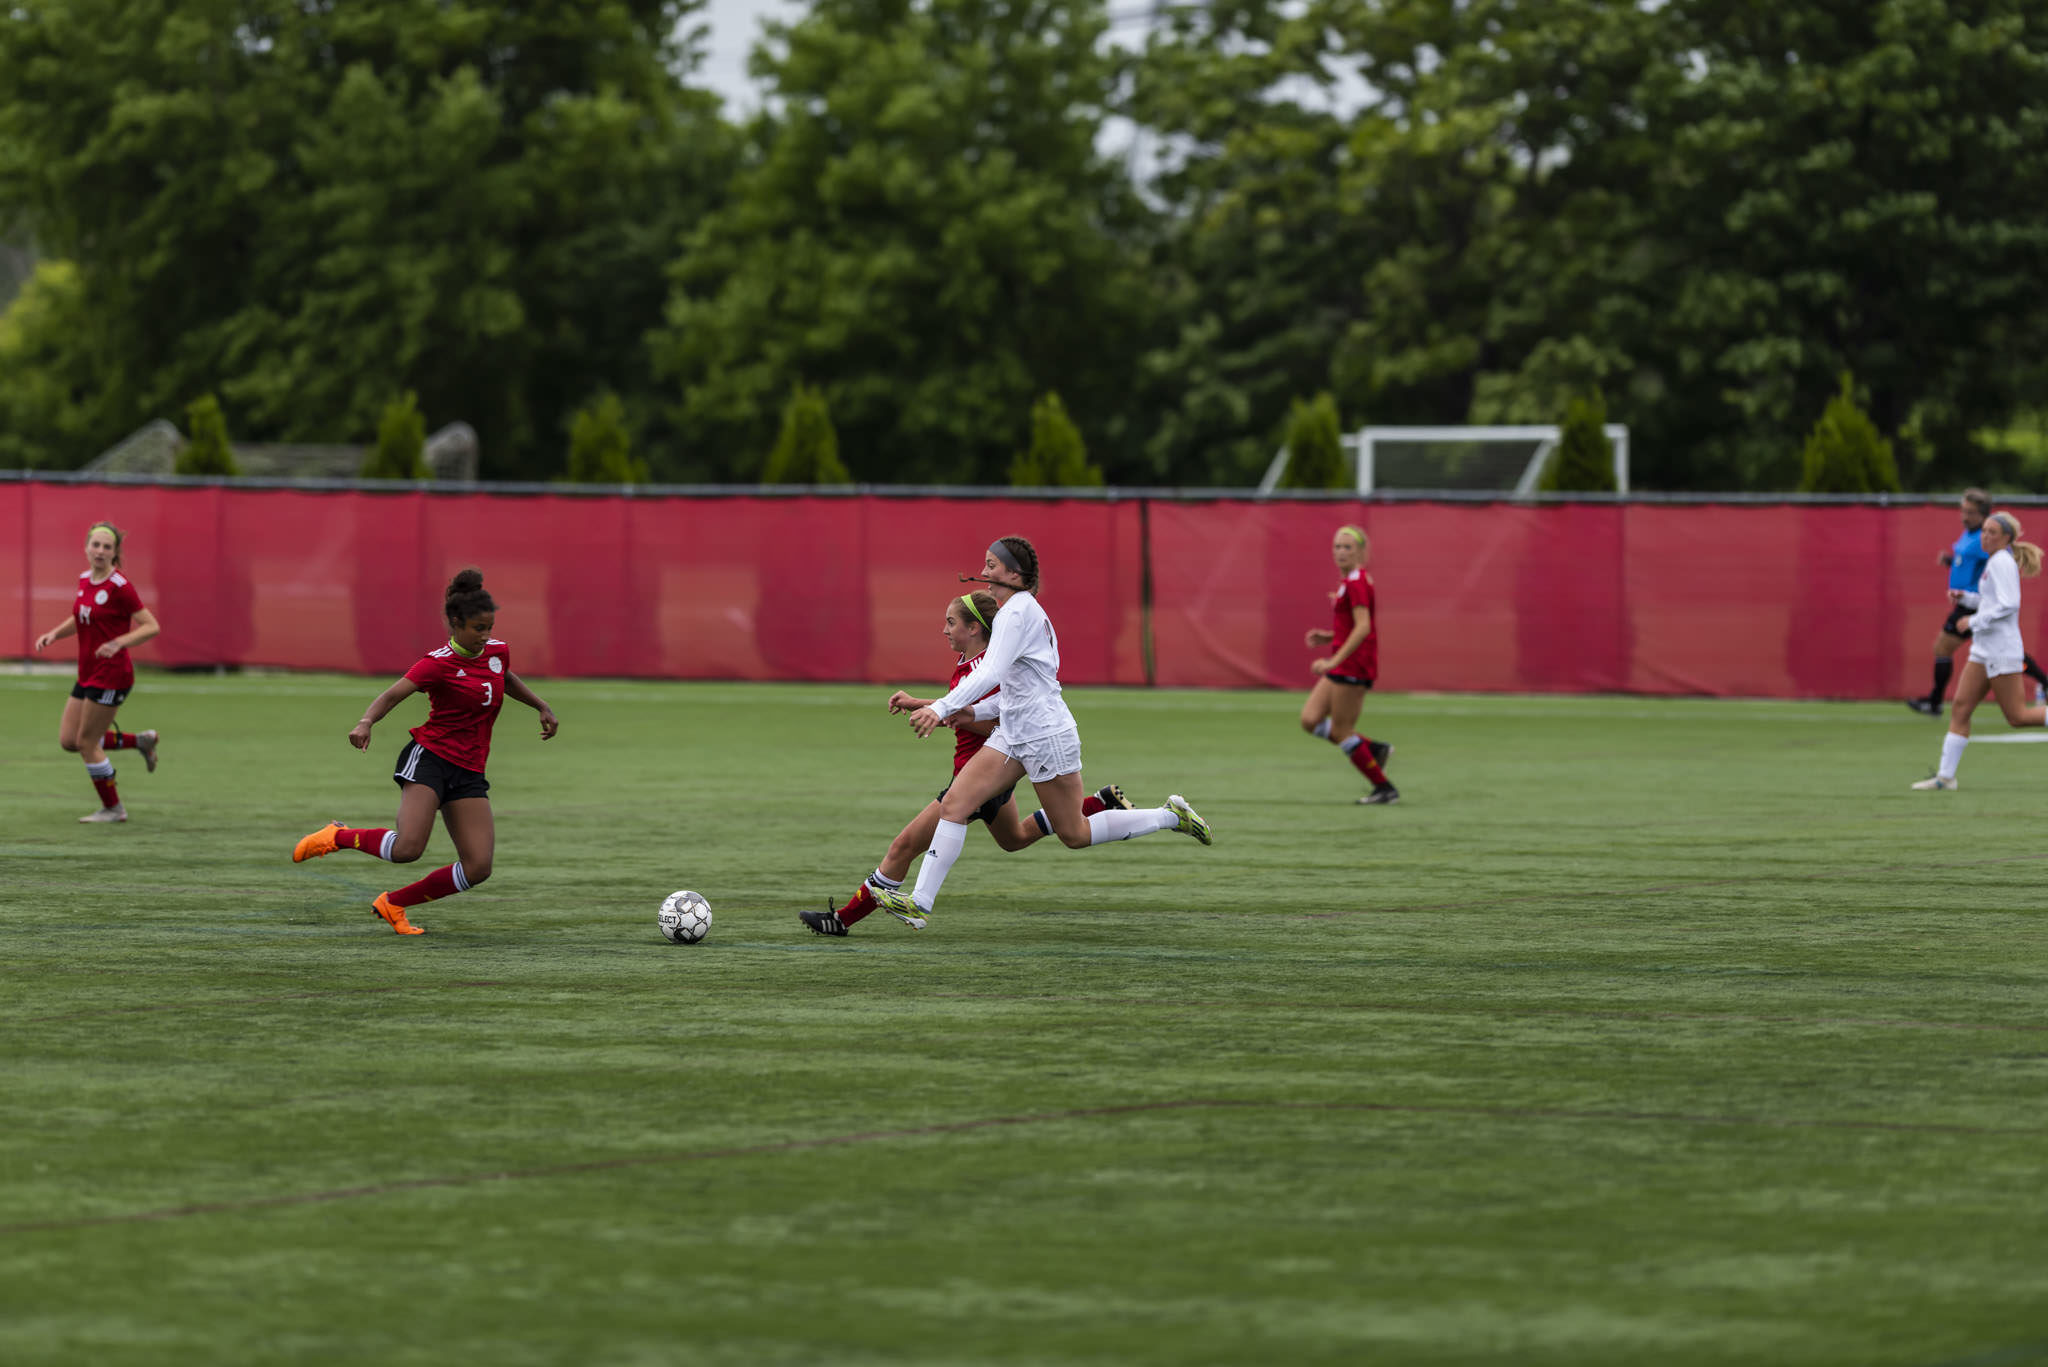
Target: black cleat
[
  {"x": 1113, "y": 798},
  {"x": 1924, "y": 707},
  {"x": 1381, "y": 795},
  {"x": 1382, "y": 751},
  {"x": 825, "y": 922}
]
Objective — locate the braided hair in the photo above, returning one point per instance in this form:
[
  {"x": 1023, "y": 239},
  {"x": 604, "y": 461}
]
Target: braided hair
[{"x": 1027, "y": 560}]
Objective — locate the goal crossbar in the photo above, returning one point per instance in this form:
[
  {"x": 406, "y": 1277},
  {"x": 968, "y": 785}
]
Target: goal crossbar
[{"x": 1364, "y": 444}]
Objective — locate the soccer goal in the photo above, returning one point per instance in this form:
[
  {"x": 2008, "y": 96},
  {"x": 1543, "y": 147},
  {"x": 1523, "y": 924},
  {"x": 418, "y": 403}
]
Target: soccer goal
[{"x": 1465, "y": 459}]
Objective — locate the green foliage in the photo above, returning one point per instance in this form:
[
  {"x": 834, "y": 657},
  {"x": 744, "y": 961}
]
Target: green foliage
[
  {"x": 600, "y": 446},
  {"x": 807, "y": 449},
  {"x": 1844, "y": 453},
  {"x": 1057, "y": 455},
  {"x": 400, "y": 452},
  {"x": 1584, "y": 459},
  {"x": 1315, "y": 446},
  {"x": 306, "y": 209},
  {"x": 54, "y": 406},
  {"x": 926, "y": 231},
  {"x": 207, "y": 451}
]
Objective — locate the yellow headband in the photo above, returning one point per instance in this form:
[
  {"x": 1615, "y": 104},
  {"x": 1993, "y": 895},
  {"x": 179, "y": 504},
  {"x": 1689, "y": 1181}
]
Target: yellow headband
[
  {"x": 112, "y": 530},
  {"x": 1357, "y": 533},
  {"x": 967, "y": 600}
]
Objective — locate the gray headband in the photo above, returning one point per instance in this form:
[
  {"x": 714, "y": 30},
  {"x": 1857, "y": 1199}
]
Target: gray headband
[{"x": 1002, "y": 553}]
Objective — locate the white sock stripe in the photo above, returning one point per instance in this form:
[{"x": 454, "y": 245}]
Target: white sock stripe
[
  {"x": 883, "y": 880},
  {"x": 461, "y": 883},
  {"x": 1350, "y": 743},
  {"x": 101, "y": 768},
  {"x": 384, "y": 847}
]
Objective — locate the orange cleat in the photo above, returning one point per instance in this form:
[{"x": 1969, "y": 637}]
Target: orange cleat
[
  {"x": 318, "y": 843},
  {"x": 393, "y": 913}
]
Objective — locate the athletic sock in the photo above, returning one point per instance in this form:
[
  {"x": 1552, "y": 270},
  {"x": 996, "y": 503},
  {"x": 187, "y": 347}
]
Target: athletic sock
[
  {"x": 1943, "y": 670},
  {"x": 436, "y": 885},
  {"x": 1104, "y": 827},
  {"x": 1092, "y": 804},
  {"x": 1043, "y": 821},
  {"x": 947, "y": 842},
  {"x": 102, "y": 775},
  {"x": 1951, "y": 754},
  {"x": 863, "y": 902},
  {"x": 374, "y": 842},
  {"x": 1322, "y": 731},
  {"x": 118, "y": 739},
  {"x": 1359, "y": 750},
  {"x": 883, "y": 880}
]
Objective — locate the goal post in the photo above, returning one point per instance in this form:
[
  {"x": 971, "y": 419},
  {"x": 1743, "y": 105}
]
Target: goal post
[{"x": 1508, "y": 459}]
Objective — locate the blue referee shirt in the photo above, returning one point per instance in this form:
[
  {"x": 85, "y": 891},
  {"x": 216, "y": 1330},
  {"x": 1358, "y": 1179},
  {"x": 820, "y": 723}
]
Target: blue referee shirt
[{"x": 1968, "y": 560}]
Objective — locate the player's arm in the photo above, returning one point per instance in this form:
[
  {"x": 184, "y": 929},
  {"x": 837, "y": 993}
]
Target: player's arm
[
  {"x": 899, "y": 701},
  {"x": 68, "y": 627},
  {"x": 1361, "y": 627},
  {"x": 146, "y": 627},
  {"x": 1005, "y": 644},
  {"x": 515, "y": 687},
  {"x": 359, "y": 735}
]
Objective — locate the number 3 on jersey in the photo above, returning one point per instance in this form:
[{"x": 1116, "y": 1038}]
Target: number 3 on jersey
[{"x": 487, "y": 692}]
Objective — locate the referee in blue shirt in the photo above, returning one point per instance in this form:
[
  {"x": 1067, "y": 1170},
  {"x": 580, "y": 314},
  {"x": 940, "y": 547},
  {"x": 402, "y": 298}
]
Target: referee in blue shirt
[{"x": 1965, "y": 561}]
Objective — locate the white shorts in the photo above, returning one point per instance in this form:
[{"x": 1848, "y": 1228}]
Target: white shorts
[
  {"x": 1996, "y": 665},
  {"x": 1043, "y": 758}
]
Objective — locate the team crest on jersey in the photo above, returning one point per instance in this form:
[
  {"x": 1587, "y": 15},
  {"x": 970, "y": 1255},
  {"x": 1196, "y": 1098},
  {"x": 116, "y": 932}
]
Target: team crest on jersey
[
  {"x": 497, "y": 665},
  {"x": 100, "y": 597}
]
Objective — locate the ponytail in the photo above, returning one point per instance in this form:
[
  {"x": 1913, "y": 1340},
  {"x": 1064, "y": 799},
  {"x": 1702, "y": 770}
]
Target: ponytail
[
  {"x": 466, "y": 597},
  {"x": 2029, "y": 557}
]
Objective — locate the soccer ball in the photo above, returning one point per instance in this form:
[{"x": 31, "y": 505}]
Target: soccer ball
[{"x": 685, "y": 918}]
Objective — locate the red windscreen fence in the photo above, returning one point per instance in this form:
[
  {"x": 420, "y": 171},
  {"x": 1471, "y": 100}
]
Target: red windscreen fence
[{"x": 1792, "y": 600}]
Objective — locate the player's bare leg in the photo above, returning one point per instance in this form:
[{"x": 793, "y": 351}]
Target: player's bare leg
[
  {"x": 1970, "y": 690},
  {"x": 2011, "y": 692},
  {"x": 82, "y": 729},
  {"x": 1331, "y": 714},
  {"x": 989, "y": 772},
  {"x": 1108, "y": 798},
  {"x": 417, "y": 806}
]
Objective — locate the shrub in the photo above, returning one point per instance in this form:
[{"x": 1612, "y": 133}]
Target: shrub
[
  {"x": 1583, "y": 462},
  {"x": 1315, "y": 446},
  {"x": 807, "y": 449},
  {"x": 400, "y": 452},
  {"x": 1057, "y": 456},
  {"x": 600, "y": 448},
  {"x": 1844, "y": 453},
  {"x": 208, "y": 452}
]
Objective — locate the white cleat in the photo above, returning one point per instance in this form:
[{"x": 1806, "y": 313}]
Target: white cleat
[
  {"x": 117, "y": 812},
  {"x": 1936, "y": 784},
  {"x": 145, "y": 741}
]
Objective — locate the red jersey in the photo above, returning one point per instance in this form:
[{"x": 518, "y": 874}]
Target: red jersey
[
  {"x": 966, "y": 743},
  {"x": 464, "y": 693},
  {"x": 1355, "y": 592},
  {"x": 104, "y": 610}
]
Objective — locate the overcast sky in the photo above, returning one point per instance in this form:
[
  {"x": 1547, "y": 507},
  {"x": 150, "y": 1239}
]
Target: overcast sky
[{"x": 734, "y": 25}]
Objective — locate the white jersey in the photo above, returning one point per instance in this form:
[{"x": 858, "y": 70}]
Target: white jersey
[
  {"x": 1995, "y": 626},
  {"x": 1022, "y": 659}
]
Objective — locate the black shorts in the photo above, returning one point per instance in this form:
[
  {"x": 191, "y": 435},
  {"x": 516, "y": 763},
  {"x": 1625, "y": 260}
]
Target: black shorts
[
  {"x": 450, "y": 782},
  {"x": 986, "y": 812},
  {"x": 1353, "y": 680},
  {"x": 1955, "y": 614},
  {"x": 105, "y": 697}
]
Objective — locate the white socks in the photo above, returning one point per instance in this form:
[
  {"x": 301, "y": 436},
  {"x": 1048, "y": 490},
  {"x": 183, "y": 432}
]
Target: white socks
[
  {"x": 385, "y": 845},
  {"x": 1322, "y": 729},
  {"x": 1951, "y": 754},
  {"x": 947, "y": 842},
  {"x": 1104, "y": 827},
  {"x": 102, "y": 769}
]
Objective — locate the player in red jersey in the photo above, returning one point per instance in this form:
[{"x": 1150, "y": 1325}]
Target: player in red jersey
[
  {"x": 442, "y": 768},
  {"x": 108, "y": 617},
  {"x": 966, "y": 631},
  {"x": 1331, "y": 711}
]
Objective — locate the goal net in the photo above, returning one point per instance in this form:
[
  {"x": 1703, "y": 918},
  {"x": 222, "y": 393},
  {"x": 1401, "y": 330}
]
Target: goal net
[{"x": 1507, "y": 460}]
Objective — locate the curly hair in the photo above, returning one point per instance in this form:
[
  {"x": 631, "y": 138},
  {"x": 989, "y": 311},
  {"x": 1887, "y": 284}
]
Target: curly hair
[{"x": 466, "y": 597}]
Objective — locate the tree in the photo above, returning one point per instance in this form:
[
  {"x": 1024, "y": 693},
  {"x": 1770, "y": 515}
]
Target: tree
[
  {"x": 927, "y": 233},
  {"x": 208, "y": 452},
  {"x": 1057, "y": 455},
  {"x": 306, "y": 208},
  {"x": 1315, "y": 446},
  {"x": 600, "y": 448},
  {"x": 400, "y": 452},
  {"x": 53, "y": 403},
  {"x": 1584, "y": 459},
  {"x": 1844, "y": 453},
  {"x": 807, "y": 449}
]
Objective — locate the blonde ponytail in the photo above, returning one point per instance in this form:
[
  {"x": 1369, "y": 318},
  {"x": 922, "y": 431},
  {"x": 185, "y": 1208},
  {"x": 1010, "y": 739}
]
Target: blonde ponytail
[{"x": 2025, "y": 553}]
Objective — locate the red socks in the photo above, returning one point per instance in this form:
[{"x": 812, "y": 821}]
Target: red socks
[
  {"x": 118, "y": 740},
  {"x": 108, "y": 797},
  {"x": 863, "y": 902},
  {"x": 367, "y": 839},
  {"x": 1359, "y": 751},
  {"x": 1092, "y": 804},
  {"x": 436, "y": 885}
]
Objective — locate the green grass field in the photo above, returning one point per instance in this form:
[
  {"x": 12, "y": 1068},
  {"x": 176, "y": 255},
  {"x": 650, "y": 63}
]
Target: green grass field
[{"x": 1639, "y": 1032}]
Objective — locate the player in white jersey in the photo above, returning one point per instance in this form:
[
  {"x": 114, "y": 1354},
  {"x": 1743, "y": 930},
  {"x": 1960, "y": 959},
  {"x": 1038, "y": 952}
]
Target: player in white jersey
[
  {"x": 1997, "y": 654},
  {"x": 1035, "y": 738}
]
